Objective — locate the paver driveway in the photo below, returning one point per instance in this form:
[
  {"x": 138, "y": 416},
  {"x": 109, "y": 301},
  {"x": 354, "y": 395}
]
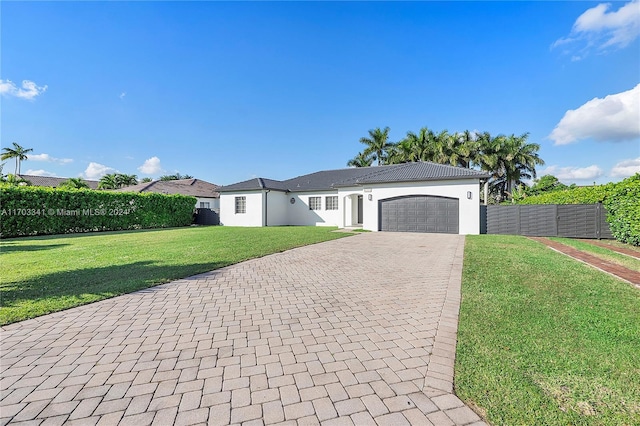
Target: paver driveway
[{"x": 359, "y": 330}]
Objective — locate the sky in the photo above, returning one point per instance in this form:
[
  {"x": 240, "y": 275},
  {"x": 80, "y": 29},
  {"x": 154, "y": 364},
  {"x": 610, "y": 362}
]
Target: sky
[{"x": 228, "y": 91}]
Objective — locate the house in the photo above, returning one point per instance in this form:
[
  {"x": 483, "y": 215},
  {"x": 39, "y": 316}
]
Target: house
[
  {"x": 409, "y": 197},
  {"x": 54, "y": 182},
  {"x": 206, "y": 193}
]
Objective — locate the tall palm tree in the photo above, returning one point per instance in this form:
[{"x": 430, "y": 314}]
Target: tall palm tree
[
  {"x": 509, "y": 159},
  {"x": 378, "y": 144},
  {"x": 17, "y": 152},
  {"x": 109, "y": 181},
  {"x": 522, "y": 159},
  {"x": 422, "y": 145},
  {"x": 360, "y": 160},
  {"x": 467, "y": 148}
]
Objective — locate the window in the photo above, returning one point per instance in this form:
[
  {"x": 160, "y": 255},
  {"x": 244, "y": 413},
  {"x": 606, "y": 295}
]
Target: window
[
  {"x": 205, "y": 205},
  {"x": 331, "y": 203},
  {"x": 241, "y": 205},
  {"x": 315, "y": 203}
]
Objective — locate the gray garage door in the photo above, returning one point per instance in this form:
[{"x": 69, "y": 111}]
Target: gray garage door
[{"x": 419, "y": 213}]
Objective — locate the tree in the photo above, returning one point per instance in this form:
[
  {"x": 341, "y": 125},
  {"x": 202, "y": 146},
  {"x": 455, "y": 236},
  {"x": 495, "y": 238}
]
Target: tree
[
  {"x": 15, "y": 180},
  {"x": 146, "y": 180},
  {"x": 176, "y": 176},
  {"x": 126, "y": 180},
  {"x": 378, "y": 145},
  {"x": 360, "y": 160},
  {"x": 17, "y": 152},
  {"x": 76, "y": 183},
  {"x": 109, "y": 181},
  {"x": 510, "y": 160},
  {"x": 547, "y": 183}
]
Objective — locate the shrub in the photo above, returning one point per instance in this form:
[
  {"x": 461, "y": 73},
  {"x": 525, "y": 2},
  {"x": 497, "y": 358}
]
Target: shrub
[
  {"x": 40, "y": 210},
  {"x": 623, "y": 205}
]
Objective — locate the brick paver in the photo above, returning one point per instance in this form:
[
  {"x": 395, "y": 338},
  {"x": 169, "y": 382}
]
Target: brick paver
[
  {"x": 360, "y": 330},
  {"x": 614, "y": 269}
]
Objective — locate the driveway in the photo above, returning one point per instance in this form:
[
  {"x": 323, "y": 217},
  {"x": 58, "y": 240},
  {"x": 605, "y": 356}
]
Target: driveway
[{"x": 360, "y": 330}]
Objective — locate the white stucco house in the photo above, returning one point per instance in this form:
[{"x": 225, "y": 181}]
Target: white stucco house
[{"x": 409, "y": 197}]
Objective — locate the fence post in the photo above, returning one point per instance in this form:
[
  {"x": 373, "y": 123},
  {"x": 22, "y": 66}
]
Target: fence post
[{"x": 599, "y": 220}]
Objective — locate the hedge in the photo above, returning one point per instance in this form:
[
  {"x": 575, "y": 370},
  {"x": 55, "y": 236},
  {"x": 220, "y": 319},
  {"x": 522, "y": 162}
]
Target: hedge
[
  {"x": 40, "y": 211},
  {"x": 622, "y": 201}
]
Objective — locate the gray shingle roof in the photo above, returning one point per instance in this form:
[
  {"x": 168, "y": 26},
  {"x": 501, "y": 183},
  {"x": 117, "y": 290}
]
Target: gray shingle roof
[
  {"x": 54, "y": 182},
  {"x": 331, "y": 179},
  {"x": 194, "y": 187}
]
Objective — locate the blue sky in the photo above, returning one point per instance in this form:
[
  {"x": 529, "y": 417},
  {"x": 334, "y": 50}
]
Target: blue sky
[{"x": 230, "y": 91}]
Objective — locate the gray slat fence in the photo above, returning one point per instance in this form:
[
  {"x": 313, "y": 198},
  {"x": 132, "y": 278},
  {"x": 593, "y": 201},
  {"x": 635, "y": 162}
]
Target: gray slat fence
[
  {"x": 546, "y": 220},
  {"x": 206, "y": 217}
]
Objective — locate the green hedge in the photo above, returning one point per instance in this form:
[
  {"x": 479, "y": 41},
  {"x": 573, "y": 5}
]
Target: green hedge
[
  {"x": 623, "y": 205},
  {"x": 40, "y": 211},
  {"x": 621, "y": 199}
]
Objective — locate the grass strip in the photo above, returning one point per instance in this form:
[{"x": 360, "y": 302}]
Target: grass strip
[
  {"x": 601, "y": 252},
  {"x": 46, "y": 274},
  {"x": 544, "y": 339}
]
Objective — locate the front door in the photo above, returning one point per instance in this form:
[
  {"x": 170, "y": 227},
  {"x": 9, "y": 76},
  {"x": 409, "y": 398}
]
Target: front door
[{"x": 359, "y": 209}]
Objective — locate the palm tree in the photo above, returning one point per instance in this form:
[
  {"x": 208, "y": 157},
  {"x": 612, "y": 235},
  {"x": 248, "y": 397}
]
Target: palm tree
[
  {"x": 360, "y": 160},
  {"x": 109, "y": 181},
  {"x": 467, "y": 148},
  {"x": 421, "y": 145},
  {"x": 76, "y": 183},
  {"x": 17, "y": 152},
  {"x": 146, "y": 180},
  {"x": 509, "y": 159},
  {"x": 177, "y": 176},
  {"x": 378, "y": 144},
  {"x": 126, "y": 180}
]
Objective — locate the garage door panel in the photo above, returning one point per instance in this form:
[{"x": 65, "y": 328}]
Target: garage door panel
[{"x": 419, "y": 213}]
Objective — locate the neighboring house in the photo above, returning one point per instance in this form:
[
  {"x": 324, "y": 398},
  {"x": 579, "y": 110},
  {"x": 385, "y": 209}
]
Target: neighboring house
[
  {"x": 410, "y": 197},
  {"x": 54, "y": 182},
  {"x": 206, "y": 193}
]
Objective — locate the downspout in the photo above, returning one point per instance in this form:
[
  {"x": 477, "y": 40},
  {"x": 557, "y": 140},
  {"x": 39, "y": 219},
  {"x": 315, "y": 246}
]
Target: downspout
[
  {"x": 486, "y": 192},
  {"x": 266, "y": 207}
]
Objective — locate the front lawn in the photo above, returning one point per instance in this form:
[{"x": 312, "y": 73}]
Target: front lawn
[
  {"x": 51, "y": 273},
  {"x": 544, "y": 339}
]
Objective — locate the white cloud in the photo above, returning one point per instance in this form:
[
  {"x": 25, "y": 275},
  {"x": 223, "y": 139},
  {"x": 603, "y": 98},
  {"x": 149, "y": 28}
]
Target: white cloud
[
  {"x": 151, "y": 166},
  {"x": 122, "y": 95},
  {"x": 49, "y": 159},
  {"x": 29, "y": 89},
  {"x": 612, "y": 118},
  {"x": 626, "y": 168},
  {"x": 573, "y": 173},
  {"x": 39, "y": 172},
  {"x": 601, "y": 29},
  {"x": 97, "y": 170}
]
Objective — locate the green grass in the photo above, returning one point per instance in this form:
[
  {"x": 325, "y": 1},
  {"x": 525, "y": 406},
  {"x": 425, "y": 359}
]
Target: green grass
[
  {"x": 545, "y": 340},
  {"x": 46, "y": 274},
  {"x": 602, "y": 252}
]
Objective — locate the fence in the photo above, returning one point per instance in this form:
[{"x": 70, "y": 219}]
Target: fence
[
  {"x": 546, "y": 220},
  {"x": 207, "y": 217}
]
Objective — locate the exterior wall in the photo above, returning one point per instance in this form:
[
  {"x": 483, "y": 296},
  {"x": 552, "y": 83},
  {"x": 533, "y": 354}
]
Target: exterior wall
[
  {"x": 282, "y": 212},
  {"x": 299, "y": 213},
  {"x": 214, "y": 203},
  {"x": 277, "y": 208},
  {"x": 469, "y": 220},
  {"x": 254, "y": 215}
]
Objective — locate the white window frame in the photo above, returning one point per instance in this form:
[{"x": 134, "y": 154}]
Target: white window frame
[
  {"x": 331, "y": 202},
  {"x": 241, "y": 205},
  {"x": 205, "y": 205},
  {"x": 315, "y": 203}
]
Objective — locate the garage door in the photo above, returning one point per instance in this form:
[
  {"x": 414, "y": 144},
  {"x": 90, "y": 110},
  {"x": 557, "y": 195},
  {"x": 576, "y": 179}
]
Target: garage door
[{"x": 419, "y": 213}]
